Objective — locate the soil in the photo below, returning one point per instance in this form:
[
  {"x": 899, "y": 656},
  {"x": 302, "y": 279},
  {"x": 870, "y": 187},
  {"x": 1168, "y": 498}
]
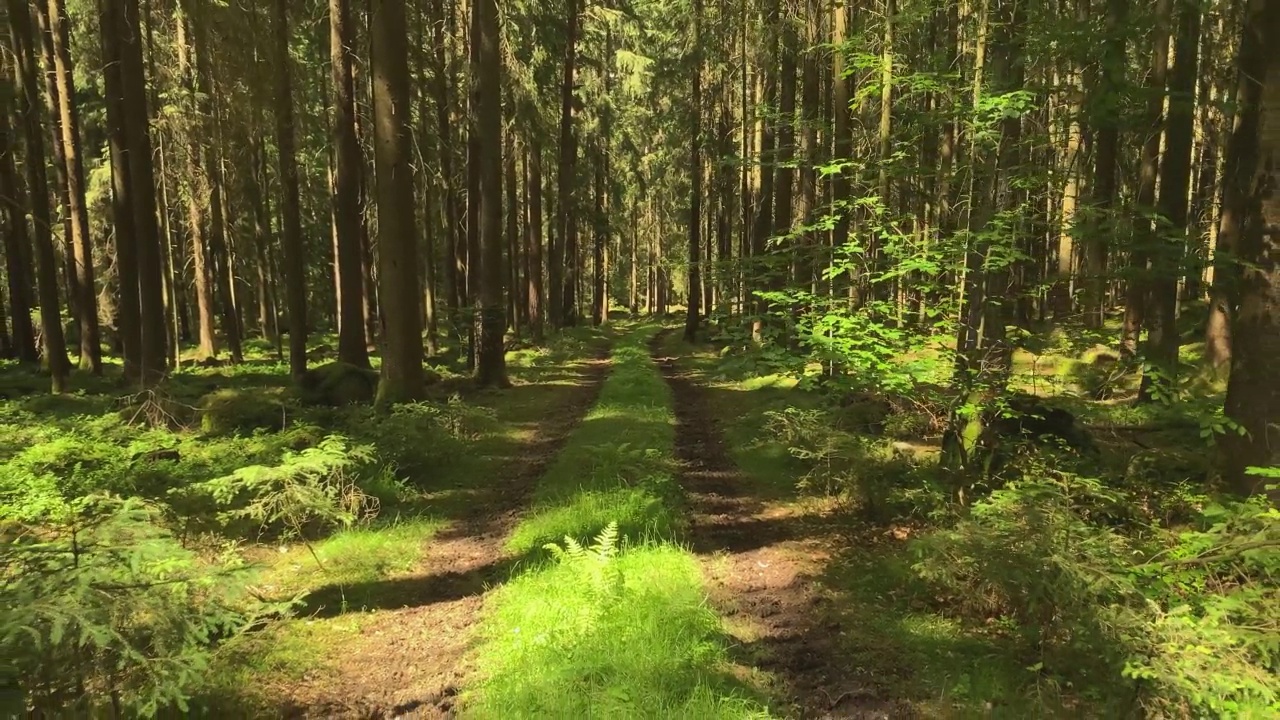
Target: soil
[
  {"x": 762, "y": 558},
  {"x": 408, "y": 661}
]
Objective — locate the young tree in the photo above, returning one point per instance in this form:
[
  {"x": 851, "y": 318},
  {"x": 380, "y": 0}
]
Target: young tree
[{"x": 399, "y": 289}]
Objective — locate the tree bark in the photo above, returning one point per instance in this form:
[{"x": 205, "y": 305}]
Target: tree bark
[
  {"x": 491, "y": 364},
  {"x": 399, "y": 291},
  {"x": 564, "y": 253},
  {"x": 692, "y": 315},
  {"x": 17, "y": 240},
  {"x": 352, "y": 344},
  {"x": 1237, "y": 179},
  {"x": 1175, "y": 181},
  {"x": 155, "y": 344},
  {"x": 1253, "y": 395},
  {"x": 533, "y": 253},
  {"x": 1148, "y": 174}
]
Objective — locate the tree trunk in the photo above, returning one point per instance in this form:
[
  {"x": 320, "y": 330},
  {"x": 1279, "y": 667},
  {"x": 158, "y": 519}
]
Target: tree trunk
[
  {"x": 295, "y": 278},
  {"x": 1175, "y": 182},
  {"x": 491, "y": 364},
  {"x": 1237, "y": 180},
  {"x": 155, "y": 343},
  {"x": 352, "y": 344},
  {"x": 1253, "y": 395},
  {"x": 17, "y": 241},
  {"x": 129, "y": 312},
  {"x": 54, "y": 344},
  {"x": 1148, "y": 174},
  {"x": 398, "y": 289},
  {"x": 692, "y": 316},
  {"x": 533, "y": 253},
  {"x": 564, "y": 254},
  {"x": 1106, "y": 163}
]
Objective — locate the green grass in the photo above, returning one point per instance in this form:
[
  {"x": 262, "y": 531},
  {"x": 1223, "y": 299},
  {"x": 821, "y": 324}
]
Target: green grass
[
  {"x": 350, "y": 557},
  {"x": 621, "y": 628},
  {"x": 617, "y": 468}
]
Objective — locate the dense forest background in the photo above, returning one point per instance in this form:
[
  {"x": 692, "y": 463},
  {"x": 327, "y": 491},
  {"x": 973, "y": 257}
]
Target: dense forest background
[{"x": 969, "y": 224}]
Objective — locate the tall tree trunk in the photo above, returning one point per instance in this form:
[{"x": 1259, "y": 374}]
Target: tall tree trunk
[
  {"x": 129, "y": 312},
  {"x": 352, "y": 344},
  {"x": 17, "y": 241},
  {"x": 52, "y": 102},
  {"x": 1253, "y": 395},
  {"x": 1148, "y": 174},
  {"x": 1175, "y": 182},
  {"x": 1237, "y": 180},
  {"x": 533, "y": 253},
  {"x": 516, "y": 307},
  {"x": 198, "y": 190},
  {"x": 454, "y": 266},
  {"x": 764, "y": 220},
  {"x": 25, "y": 73},
  {"x": 155, "y": 344},
  {"x": 564, "y": 253},
  {"x": 692, "y": 316},
  {"x": 295, "y": 278},
  {"x": 1097, "y": 248},
  {"x": 398, "y": 289},
  {"x": 491, "y": 364},
  {"x": 784, "y": 172}
]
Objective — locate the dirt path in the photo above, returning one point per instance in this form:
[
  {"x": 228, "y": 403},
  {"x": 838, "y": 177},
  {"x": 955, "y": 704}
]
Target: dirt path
[
  {"x": 761, "y": 558},
  {"x": 408, "y": 662}
]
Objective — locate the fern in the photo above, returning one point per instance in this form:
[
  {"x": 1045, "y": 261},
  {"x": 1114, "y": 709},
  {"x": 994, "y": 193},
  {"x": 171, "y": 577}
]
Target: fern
[{"x": 596, "y": 561}]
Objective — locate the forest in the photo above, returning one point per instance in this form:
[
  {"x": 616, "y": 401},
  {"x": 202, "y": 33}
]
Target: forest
[{"x": 640, "y": 358}]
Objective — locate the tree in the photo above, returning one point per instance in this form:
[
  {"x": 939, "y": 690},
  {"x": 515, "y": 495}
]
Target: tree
[
  {"x": 352, "y": 347},
  {"x": 692, "y": 315},
  {"x": 77, "y": 207},
  {"x": 17, "y": 241},
  {"x": 25, "y": 73},
  {"x": 399, "y": 290},
  {"x": 1253, "y": 396},
  {"x": 291, "y": 222},
  {"x": 563, "y": 260},
  {"x": 491, "y": 364}
]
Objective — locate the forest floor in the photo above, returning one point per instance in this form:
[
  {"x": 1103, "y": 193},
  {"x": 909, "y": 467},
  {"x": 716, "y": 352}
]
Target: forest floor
[{"x": 628, "y": 531}]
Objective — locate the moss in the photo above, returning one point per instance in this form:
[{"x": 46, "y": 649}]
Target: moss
[
  {"x": 339, "y": 383},
  {"x": 225, "y": 412}
]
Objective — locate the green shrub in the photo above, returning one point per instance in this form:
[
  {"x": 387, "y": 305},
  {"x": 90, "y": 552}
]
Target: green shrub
[
  {"x": 103, "y": 613},
  {"x": 1184, "y": 624},
  {"x": 225, "y": 412}
]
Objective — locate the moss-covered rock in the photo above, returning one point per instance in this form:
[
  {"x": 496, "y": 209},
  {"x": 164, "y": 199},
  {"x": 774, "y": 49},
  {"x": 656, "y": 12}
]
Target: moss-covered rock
[
  {"x": 338, "y": 383},
  {"x": 229, "y": 411}
]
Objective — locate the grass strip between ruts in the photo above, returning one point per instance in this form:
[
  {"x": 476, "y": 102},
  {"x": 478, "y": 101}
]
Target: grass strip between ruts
[{"x": 616, "y": 624}]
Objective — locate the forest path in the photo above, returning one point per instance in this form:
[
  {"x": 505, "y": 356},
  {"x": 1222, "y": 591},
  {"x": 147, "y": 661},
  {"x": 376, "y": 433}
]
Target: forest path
[
  {"x": 409, "y": 659},
  {"x": 762, "y": 560}
]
